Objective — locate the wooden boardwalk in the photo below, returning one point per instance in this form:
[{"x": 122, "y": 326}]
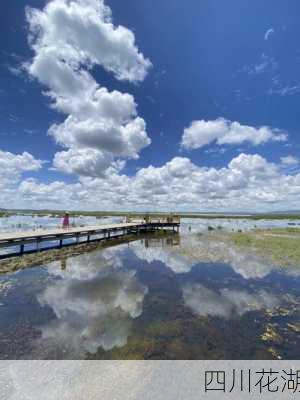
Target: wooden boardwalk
[{"x": 89, "y": 233}]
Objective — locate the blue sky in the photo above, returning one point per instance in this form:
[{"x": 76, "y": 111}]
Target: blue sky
[{"x": 215, "y": 87}]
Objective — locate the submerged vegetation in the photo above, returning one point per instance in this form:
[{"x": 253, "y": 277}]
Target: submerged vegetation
[{"x": 282, "y": 246}]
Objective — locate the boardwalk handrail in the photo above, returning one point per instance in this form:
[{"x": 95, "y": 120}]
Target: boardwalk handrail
[
  {"x": 91, "y": 233},
  {"x": 154, "y": 218}
]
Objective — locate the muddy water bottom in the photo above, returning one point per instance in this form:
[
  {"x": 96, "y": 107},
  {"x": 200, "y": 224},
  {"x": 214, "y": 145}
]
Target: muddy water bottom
[{"x": 151, "y": 299}]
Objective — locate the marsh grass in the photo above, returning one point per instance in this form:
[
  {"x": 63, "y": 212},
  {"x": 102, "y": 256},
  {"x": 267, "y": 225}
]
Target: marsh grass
[{"x": 282, "y": 246}]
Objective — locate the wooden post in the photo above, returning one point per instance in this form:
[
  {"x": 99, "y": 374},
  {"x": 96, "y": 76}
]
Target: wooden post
[
  {"x": 89, "y": 238},
  {"x": 22, "y": 249},
  {"x": 60, "y": 243}
]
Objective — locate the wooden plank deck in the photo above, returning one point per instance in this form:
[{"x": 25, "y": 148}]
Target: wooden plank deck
[
  {"x": 109, "y": 231},
  {"x": 14, "y": 236}
]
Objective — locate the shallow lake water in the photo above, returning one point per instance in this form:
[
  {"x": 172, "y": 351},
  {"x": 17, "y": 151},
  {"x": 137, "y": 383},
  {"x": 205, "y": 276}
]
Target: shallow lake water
[{"x": 185, "y": 296}]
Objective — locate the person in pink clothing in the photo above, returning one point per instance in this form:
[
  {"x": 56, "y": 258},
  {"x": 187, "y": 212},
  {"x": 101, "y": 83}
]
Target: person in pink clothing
[{"x": 66, "y": 221}]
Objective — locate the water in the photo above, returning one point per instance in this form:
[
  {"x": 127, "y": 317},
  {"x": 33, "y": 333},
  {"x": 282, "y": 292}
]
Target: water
[
  {"x": 189, "y": 226},
  {"x": 31, "y": 222},
  {"x": 201, "y": 225},
  {"x": 19, "y": 222},
  {"x": 158, "y": 297}
]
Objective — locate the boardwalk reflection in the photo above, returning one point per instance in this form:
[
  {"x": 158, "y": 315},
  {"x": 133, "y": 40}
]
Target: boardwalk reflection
[
  {"x": 37, "y": 259},
  {"x": 167, "y": 241}
]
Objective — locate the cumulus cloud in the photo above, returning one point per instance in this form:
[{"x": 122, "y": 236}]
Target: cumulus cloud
[
  {"x": 86, "y": 162},
  {"x": 102, "y": 129},
  {"x": 15, "y": 164},
  {"x": 221, "y": 131},
  {"x": 57, "y": 193},
  {"x": 253, "y": 166},
  {"x": 83, "y": 31},
  {"x": 248, "y": 182},
  {"x": 103, "y": 135},
  {"x": 12, "y": 166},
  {"x": 69, "y": 38}
]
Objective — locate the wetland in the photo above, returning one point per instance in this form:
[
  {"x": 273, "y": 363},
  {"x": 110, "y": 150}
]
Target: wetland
[{"x": 221, "y": 289}]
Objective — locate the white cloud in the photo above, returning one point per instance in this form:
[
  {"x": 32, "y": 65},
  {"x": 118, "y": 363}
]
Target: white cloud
[
  {"x": 289, "y": 160},
  {"x": 248, "y": 182},
  {"x": 253, "y": 166},
  {"x": 85, "y": 162},
  {"x": 82, "y": 31},
  {"x": 57, "y": 193},
  {"x": 69, "y": 38},
  {"x": 14, "y": 164},
  {"x": 12, "y": 167},
  {"x": 103, "y": 135},
  {"x": 221, "y": 131},
  {"x": 269, "y": 33}
]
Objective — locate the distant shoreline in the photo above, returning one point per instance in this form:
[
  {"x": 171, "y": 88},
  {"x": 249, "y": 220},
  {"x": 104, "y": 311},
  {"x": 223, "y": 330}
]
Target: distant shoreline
[{"x": 190, "y": 215}]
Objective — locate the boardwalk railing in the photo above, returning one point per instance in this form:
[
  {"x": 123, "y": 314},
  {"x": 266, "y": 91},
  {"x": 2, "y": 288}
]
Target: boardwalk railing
[
  {"x": 31, "y": 241},
  {"x": 154, "y": 219}
]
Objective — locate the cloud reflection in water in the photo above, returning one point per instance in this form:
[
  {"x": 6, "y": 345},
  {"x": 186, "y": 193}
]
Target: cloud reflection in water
[
  {"x": 94, "y": 303},
  {"x": 227, "y": 302},
  {"x": 206, "y": 249}
]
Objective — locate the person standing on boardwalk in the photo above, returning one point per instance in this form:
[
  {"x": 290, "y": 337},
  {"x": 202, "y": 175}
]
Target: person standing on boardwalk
[{"x": 66, "y": 221}]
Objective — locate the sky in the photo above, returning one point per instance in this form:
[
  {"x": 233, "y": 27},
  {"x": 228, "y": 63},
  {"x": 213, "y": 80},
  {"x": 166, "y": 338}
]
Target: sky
[{"x": 154, "y": 106}]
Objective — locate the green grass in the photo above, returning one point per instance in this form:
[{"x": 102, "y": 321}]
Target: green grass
[{"x": 283, "y": 250}]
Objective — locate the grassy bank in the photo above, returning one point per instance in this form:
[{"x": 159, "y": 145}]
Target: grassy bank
[{"x": 282, "y": 246}]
